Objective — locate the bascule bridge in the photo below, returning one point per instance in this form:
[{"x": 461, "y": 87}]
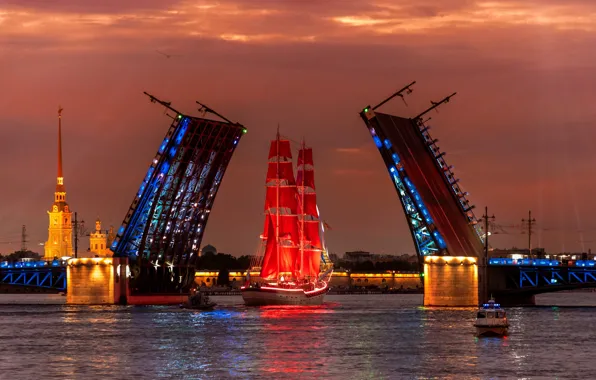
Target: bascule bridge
[
  {"x": 156, "y": 249},
  {"x": 447, "y": 236}
]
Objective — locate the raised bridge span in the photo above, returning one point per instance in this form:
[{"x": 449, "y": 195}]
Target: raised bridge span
[{"x": 447, "y": 236}]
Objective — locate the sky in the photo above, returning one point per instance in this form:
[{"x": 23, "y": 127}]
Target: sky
[{"x": 519, "y": 133}]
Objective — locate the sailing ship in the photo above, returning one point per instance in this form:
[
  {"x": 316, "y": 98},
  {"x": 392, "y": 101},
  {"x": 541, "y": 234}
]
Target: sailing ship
[{"x": 291, "y": 246}]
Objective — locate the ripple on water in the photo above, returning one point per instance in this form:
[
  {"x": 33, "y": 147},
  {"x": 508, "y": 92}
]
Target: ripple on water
[{"x": 360, "y": 337}]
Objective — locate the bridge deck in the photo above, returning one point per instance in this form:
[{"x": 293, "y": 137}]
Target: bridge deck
[{"x": 420, "y": 164}]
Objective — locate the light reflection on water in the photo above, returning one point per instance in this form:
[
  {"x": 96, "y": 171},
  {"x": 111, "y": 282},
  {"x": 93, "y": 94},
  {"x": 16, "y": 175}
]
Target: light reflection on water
[{"x": 356, "y": 337}]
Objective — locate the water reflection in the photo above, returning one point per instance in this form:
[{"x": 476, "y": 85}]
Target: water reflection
[
  {"x": 360, "y": 337},
  {"x": 293, "y": 339}
]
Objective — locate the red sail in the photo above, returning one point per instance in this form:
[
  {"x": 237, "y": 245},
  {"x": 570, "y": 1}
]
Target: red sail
[
  {"x": 308, "y": 176},
  {"x": 309, "y": 204},
  {"x": 312, "y": 238},
  {"x": 284, "y": 149},
  {"x": 269, "y": 268},
  {"x": 286, "y": 172},
  {"x": 305, "y": 156},
  {"x": 287, "y": 198},
  {"x": 288, "y": 228},
  {"x": 287, "y": 256},
  {"x": 312, "y": 263},
  {"x": 274, "y": 264},
  {"x": 310, "y": 259}
]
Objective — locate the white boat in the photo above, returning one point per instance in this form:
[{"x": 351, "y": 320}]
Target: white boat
[
  {"x": 291, "y": 248},
  {"x": 491, "y": 320}
]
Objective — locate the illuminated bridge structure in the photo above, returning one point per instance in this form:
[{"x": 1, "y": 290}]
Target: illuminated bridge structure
[
  {"x": 161, "y": 234},
  {"x": 447, "y": 236},
  {"x": 516, "y": 282},
  {"x": 34, "y": 274},
  {"x": 440, "y": 217}
]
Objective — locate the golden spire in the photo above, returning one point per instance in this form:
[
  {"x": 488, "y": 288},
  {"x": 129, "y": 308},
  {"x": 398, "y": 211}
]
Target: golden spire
[{"x": 60, "y": 178}]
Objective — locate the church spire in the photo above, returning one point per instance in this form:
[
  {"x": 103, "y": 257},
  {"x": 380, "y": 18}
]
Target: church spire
[
  {"x": 59, "y": 242},
  {"x": 60, "y": 178},
  {"x": 60, "y": 193}
]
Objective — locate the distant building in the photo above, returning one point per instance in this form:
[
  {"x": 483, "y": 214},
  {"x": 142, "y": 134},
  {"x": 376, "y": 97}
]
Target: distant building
[
  {"x": 517, "y": 253},
  {"x": 362, "y": 256},
  {"x": 357, "y": 256},
  {"x": 99, "y": 242},
  {"x": 59, "y": 242},
  {"x": 208, "y": 249}
]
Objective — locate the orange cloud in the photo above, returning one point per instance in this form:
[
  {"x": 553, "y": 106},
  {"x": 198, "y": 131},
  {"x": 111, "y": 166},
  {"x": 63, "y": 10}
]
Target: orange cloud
[{"x": 71, "y": 22}]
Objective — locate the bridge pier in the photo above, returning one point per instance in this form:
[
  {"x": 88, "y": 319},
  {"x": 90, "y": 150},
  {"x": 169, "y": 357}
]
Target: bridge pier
[
  {"x": 450, "y": 281},
  {"x": 105, "y": 281},
  {"x": 90, "y": 281}
]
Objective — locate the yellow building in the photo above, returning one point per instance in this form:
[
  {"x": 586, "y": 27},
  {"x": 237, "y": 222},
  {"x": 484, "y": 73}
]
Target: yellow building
[
  {"x": 59, "y": 242},
  {"x": 99, "y": 246}
]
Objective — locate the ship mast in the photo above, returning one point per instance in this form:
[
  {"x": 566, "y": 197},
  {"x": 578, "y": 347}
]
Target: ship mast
[
  {"x": 277, "y": 206},
  {"x": 302, "y": 214}
]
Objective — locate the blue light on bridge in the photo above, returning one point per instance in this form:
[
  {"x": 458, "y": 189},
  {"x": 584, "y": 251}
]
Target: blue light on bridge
[
  {"x": 387, "y": 143},
  {"x": 416, "y": 212},
  {"x": 378, "y": 142},
  {"x": 182, "y": 131},
  {"x": 149, "y": 174},
  {"x": 396, "y": 159},
  {"x": 164, "y": 168},
  {"x": 163, "y": 145},
  {"x": 439, "y": 239},
  {"x": 30, "y": 264},
  {"x": 524, "y": 262}
]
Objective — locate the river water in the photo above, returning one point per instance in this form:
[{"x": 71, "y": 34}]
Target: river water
[{"x": 349, "y": 337}]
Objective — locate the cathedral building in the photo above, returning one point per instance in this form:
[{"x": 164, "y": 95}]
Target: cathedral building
[
  {"x": 59, "y": 242},
  {"x": 100, "y": 241}
]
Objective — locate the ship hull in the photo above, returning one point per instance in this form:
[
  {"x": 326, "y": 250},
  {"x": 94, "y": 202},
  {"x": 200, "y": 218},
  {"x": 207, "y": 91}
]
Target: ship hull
[
  {"x": 271, "y": 295},
  {"x": 494, "y": 331}
]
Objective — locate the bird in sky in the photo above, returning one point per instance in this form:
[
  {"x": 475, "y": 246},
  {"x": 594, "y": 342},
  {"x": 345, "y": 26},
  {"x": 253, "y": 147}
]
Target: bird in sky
[{"x": 167, "y": 55}]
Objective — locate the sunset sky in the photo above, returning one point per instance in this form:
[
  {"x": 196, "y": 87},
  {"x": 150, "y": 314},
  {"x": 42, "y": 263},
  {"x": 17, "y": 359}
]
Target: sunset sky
[{"x": 520, "y": 133}]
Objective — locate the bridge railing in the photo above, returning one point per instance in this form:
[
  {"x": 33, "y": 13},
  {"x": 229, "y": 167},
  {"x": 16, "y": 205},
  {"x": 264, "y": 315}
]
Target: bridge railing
[
  {"x": 541, "y": 262},
  {"x": 39, "y": 274},
  {"x": 32, "y": 264}
]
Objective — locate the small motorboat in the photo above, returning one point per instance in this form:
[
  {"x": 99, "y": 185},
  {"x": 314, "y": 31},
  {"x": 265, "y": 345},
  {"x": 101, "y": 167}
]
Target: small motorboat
[
  {"x": 491, "y": 320},
  {"x": 198, "y": 301}
]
